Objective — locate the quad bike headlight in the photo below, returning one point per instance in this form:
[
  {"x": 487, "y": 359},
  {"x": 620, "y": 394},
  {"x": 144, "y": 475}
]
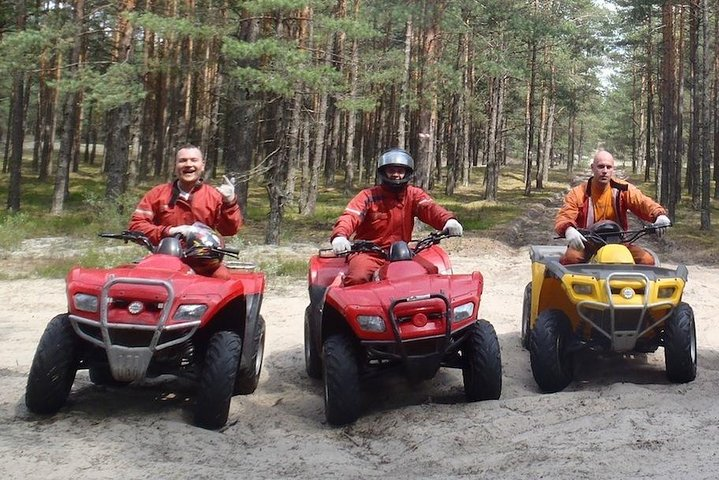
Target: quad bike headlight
[
  {"x": 190, "y": 313},
  {"x": 85, "y": 302},
  {"x": 583, "y": 288},
  {"x": 462, "y": 312},
  {"x": 666, "y": 292},
  {"x": 371, "y": 323}
]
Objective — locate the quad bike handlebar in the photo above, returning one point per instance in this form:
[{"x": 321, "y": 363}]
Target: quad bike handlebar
[
  {"x": 432, "y": 239},
  {"x": 131, "y": 236},
  {"x": 607, "y": 232},
  {"x": 415, "y": 245},
  {"x": 141, "y": 239}
]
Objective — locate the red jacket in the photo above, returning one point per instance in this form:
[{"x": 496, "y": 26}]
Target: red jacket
[
  {"x": 578, "y": 210},
  {"x": 162, "y": 208},
  {"x": 383, "y": 216}
]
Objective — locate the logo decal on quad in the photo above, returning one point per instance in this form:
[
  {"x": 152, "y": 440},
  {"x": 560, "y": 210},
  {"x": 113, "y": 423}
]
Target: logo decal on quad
[
  {"x": 135, "y": 307},
  {"x": 627, "y": 292}
]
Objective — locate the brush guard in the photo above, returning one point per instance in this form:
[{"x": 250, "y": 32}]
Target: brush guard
[
  {"x": 622, "y": 333},
  {"x": 421, "y": 357},
  {"x": 128, "y": 363}
]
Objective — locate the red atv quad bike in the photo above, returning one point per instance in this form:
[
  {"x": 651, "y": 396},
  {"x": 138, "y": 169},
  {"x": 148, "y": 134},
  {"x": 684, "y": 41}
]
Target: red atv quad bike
[
  {"x": 154, "y": 317},
  {"x": 415, "y": 314}
]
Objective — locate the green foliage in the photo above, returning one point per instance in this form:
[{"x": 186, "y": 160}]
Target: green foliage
[
  {"x": 256, "y": 7},
  {"x": 120, "y": 84},
  {"x": 354, "y": 28},
  {"x": 14, "y": 229},
  {"x": 20, "y": 50},
  {"x": 175, "y": 27}
]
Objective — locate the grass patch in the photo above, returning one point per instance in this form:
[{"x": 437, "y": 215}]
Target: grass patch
[{"x": 280, "y": 267}]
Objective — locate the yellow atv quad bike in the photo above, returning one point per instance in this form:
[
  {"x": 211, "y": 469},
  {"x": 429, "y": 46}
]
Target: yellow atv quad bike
[{"x": 609, "y": 304}]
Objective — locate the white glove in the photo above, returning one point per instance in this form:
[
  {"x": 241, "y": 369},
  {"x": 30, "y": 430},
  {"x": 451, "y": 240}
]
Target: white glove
[
  {"x": 576, "y": 240},
  {"x": 341, "y": 245},
  {"x": 227, "y": 190},
  {"x": 661, "y": 223},
  {"x": 183, "y": 230},
  {"x": 453, "y": 227}
]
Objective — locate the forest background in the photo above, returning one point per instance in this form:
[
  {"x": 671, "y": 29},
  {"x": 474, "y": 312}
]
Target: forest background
[{"x": 296, "y": 99}]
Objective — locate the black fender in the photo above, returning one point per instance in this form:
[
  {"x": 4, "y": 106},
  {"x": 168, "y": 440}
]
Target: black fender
[
  {"x": 252, "y": 313},
  {"x": 317, "y": 301}
]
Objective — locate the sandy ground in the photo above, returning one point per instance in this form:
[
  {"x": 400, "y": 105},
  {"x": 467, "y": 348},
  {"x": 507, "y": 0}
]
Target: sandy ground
[{"x": 619, "y": 419}]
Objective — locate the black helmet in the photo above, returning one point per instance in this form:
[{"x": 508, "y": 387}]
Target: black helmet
[
  {"x": 200, "y": 253},
  {"x": 395, "y": 157}
]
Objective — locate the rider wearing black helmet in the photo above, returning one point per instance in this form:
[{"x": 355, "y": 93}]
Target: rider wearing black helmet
[
  {"x": 388, "y": 162},
  {"x": 385, "y": 213}
]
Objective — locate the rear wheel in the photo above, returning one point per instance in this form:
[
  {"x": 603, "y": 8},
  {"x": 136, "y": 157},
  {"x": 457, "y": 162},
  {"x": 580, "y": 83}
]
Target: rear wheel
[
  {"x": 548, "y": 353},
  {"x": 313, "y": 362},
  {"x": 341, "y": 376},
  {"x": 482, "y": 367},
  {"x": 217, "y": 380},
  {"x": 680, "y": 345},
  {"x": 526, "y": 313},
  {"x": 248, "y": 377},
  {"x": 54, "y": 367}
]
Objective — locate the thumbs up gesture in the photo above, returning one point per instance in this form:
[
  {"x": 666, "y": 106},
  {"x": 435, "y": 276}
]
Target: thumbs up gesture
[{"x": 227, "y": 190}]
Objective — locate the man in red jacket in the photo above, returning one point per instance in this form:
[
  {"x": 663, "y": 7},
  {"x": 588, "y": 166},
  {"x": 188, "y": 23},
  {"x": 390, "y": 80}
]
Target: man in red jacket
[
  {"x": 171, "y": 208},
  {"x": 385, "y": 213},
  {"x": 604, "y": 197}
]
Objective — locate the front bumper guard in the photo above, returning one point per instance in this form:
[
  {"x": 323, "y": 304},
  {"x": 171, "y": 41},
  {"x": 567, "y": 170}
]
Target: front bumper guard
[
  {"x": 429, "y": 361},
  {"x": 623, "y": 340},
  {"x": 128, "y": 363}
]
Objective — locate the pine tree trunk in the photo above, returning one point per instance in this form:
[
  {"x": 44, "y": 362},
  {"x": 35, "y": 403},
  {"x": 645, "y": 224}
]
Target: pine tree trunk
[
  {"x": 119, "y": 118},
  {"x": 17, "y": 137},
  {"x": 48, "y": 107},
  {"x": 693, "y": 172},
  {"x": 668, "y": 115},
  {"x": 351, "y": 156},
  {"x": 404, "y": 89},
  {"x": 70, "y": 115},
  {"x": 277, "y": 175},
  {"x": 427, "y": 126},
  {"x": 704, "y": 130},
  {"x": 529, "y": 119},
  {"x": 320, "y": 135}
]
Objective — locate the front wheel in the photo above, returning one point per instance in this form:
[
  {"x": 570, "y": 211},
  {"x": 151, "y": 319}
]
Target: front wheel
[
  {"x": 341, "y": 375},
  {"x": 482, "y": 363},
  {"x": 217, "y": 380},
  {"x": 54, "y": 367},
  {"x": 548, "y": 351},
  {"x": 680, "y": 345},
  {"x": 249, "y": 377}
]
